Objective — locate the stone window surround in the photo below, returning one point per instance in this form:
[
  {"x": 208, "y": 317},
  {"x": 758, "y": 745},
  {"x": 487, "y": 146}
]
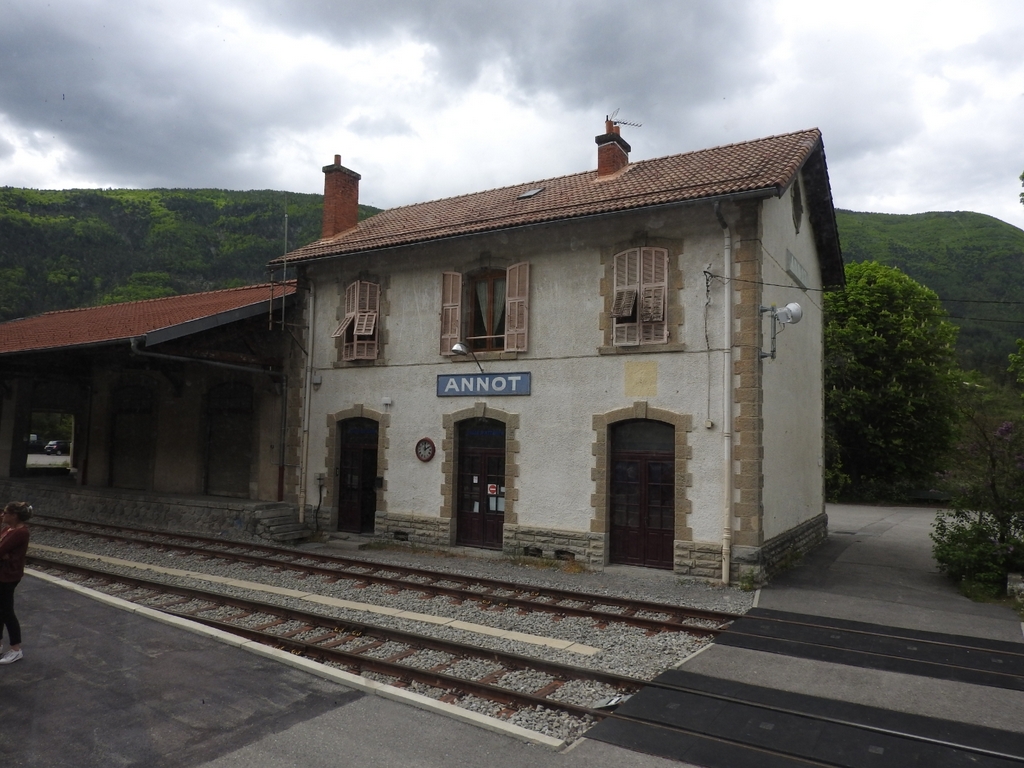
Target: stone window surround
[
  {"x": 601, "y": 423},
  {"x": 331, "y": 460},
  {"x": 674, "y": 314},
  {"x": 383, "y": 310},
  {"x": 450, "y": 455}
]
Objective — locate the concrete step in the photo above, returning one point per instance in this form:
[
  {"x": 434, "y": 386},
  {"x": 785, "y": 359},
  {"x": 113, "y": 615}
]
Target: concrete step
[
  {"x": 292, "y": 527},
  {"x": 288, "y": 536},
  {"x": 275, "y": 510},
  {"x": 348, "y": 541}
]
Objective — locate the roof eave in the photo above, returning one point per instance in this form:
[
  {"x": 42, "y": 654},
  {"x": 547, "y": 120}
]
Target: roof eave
[
  {"x": 773, "y": 190},
  {"x": 200, "y": 324},
  {"x": 822, "y": 215}
]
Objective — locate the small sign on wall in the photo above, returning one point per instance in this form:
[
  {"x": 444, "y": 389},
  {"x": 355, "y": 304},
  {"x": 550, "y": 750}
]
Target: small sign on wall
[{"x": 478, "y": 384}]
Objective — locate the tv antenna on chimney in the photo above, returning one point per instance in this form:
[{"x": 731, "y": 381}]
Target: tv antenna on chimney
[{"x": 611, "y": 118}]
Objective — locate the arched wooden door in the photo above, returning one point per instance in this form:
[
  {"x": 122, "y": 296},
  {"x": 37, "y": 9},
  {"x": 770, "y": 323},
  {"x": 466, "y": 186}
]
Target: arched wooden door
[
  {"x": 642, "y": 493},
  {"x": 356, "y": 474},
  {"x": 229, "y": 440},
  {"x": 132, "y": 438},
  {"x": 480, "y": 500}
]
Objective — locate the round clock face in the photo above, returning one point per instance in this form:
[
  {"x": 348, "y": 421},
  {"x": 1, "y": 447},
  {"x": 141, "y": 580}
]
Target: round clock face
[{"x": 425, "y": 449}]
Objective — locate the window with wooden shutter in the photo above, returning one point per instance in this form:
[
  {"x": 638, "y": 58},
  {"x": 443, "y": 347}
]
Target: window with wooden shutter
[
  {"x": 626, "y": 332},
  {"x": 451, "y": 311},
  {"x": 517, "y": 307},
  {"x": 653, "y": 292},
  {"x": 358, "y": 331},
  {"x": 641, "y": 292},
  {"x": 497, "y": 309}
]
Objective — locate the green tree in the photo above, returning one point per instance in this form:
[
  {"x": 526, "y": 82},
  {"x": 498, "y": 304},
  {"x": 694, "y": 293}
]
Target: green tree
[
  {"x": 891, "y": 383},
  {"x": 141, "y": 286},
  {"x": 981, "y": 539}
]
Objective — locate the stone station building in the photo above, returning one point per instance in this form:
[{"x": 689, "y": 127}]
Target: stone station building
[{"x": 622, "y": 365}]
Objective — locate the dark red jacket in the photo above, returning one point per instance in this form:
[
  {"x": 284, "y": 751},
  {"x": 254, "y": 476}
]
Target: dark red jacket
[{"x": 13, "y": 548}]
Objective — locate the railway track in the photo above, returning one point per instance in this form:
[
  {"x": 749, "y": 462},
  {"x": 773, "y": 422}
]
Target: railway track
[
  {"x": 447, "y": 670},
  {"x": 832, "y": 734},
  {"x": 977, "y": 661},
  {"x": 651, "y": 616}
]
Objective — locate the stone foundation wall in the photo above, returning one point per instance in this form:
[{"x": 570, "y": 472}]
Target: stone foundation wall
[
  {"x": 543, "y": 542},
  {"x": 784, "y": 550},
  {"x": 415, "y": 529},
  {"x": 700, "y": 559},
  {"x": 206, "y": 515},
  {"x": 703, "y": 560}
]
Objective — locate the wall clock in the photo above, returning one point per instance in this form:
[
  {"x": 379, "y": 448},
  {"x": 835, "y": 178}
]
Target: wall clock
[{"x": 425, "y": 449}]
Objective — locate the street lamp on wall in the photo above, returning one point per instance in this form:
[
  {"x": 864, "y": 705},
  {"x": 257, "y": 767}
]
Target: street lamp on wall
[{"x": 462, "y": 349}]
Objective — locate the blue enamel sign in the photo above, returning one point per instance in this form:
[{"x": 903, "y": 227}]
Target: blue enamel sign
[{"x": 478, "y": 384}]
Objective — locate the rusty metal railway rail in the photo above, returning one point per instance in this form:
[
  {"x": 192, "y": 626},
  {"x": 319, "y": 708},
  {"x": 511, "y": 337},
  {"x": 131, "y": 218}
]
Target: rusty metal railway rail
[
  {"x": 328, "y": 634},
  {"x": 350, "y": 645},
  {"x": 481, "y": 590}
]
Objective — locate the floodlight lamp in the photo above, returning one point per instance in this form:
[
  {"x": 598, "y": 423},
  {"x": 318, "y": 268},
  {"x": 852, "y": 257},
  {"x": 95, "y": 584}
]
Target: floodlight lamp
[{"x": 791, "y": 313}]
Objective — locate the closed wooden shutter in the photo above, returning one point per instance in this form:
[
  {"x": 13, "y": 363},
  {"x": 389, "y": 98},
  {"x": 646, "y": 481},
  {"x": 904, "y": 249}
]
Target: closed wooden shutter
[
  {"x": 626, "y": 284},
  {"x": 517, "y": 307},
  {"x": 364, "y": 341},
  {"x": 653, "y": 293},
  {"x": 451, "y": 311}
]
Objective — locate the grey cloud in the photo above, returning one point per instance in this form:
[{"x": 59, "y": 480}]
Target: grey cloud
[
  {"x": 140, "y": 107},
  {"x": 652, "y": 60},
  {"x": 382, "y": 125},
  {"x": 137, "y": 109}
]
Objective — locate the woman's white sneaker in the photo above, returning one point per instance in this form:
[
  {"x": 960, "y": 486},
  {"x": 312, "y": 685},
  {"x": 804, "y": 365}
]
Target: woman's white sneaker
[{"x": 10, "y": 657}]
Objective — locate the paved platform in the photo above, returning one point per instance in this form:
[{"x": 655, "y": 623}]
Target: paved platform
[
  {"x": 100, "y": 687},
  {"x": 105, "y": 687},
  {"x": 877, "y": 567}
]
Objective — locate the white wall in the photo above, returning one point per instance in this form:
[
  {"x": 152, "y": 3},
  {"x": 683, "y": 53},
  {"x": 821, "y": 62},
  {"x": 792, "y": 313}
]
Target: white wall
[
  {"x": 793, "y": 394},
  {"x": 571, "y": 381}
]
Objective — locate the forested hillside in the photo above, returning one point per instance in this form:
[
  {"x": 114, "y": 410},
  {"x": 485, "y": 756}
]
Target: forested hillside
[
  {"x": 76, "y": 248},
  {"x": 974, "y": 262}
]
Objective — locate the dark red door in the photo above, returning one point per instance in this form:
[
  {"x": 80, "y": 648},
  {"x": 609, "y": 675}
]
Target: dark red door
[
  {"x": 356, "y": 475},
  {"x": 481, "y": 484},
  {"x": 642, "y": 494}
]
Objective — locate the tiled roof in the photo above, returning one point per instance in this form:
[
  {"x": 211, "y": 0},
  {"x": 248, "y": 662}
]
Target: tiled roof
[
  {"x": 768, "y": 164},
  {"x": 120, "y": 322}
]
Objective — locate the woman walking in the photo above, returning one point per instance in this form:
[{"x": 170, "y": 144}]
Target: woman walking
[{"x": 13, "y": 548}]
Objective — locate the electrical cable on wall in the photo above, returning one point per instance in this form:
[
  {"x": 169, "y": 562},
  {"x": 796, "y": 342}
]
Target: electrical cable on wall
[{"x": 708, "y": 279}]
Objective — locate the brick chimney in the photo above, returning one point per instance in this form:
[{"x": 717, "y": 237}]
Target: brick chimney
[
  {"x": 612, "y": 150},
  {"x": 341, "y": 198}
]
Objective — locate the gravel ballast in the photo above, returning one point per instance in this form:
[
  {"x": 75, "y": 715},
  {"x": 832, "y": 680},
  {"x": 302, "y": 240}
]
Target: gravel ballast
[{"x": 624, "y": 650}]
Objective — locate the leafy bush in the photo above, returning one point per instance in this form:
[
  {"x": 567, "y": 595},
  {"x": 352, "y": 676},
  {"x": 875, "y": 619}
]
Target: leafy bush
[
  {"x": 967, "y": 548},
  {"x": 982, "y": 539}
]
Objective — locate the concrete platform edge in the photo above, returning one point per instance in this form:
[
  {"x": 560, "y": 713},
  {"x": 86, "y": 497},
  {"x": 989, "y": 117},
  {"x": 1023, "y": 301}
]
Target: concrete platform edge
[{"x": 298, "y": 662}]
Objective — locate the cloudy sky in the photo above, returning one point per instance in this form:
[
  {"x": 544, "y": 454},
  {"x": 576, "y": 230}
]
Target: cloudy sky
[{"x": 921, "y": 103}]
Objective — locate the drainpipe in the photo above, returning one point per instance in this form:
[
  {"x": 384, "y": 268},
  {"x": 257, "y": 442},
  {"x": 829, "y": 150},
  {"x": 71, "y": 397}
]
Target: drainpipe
[
  {"x": 727, "y": 398},
  {"x": 304, "y": 448}
]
